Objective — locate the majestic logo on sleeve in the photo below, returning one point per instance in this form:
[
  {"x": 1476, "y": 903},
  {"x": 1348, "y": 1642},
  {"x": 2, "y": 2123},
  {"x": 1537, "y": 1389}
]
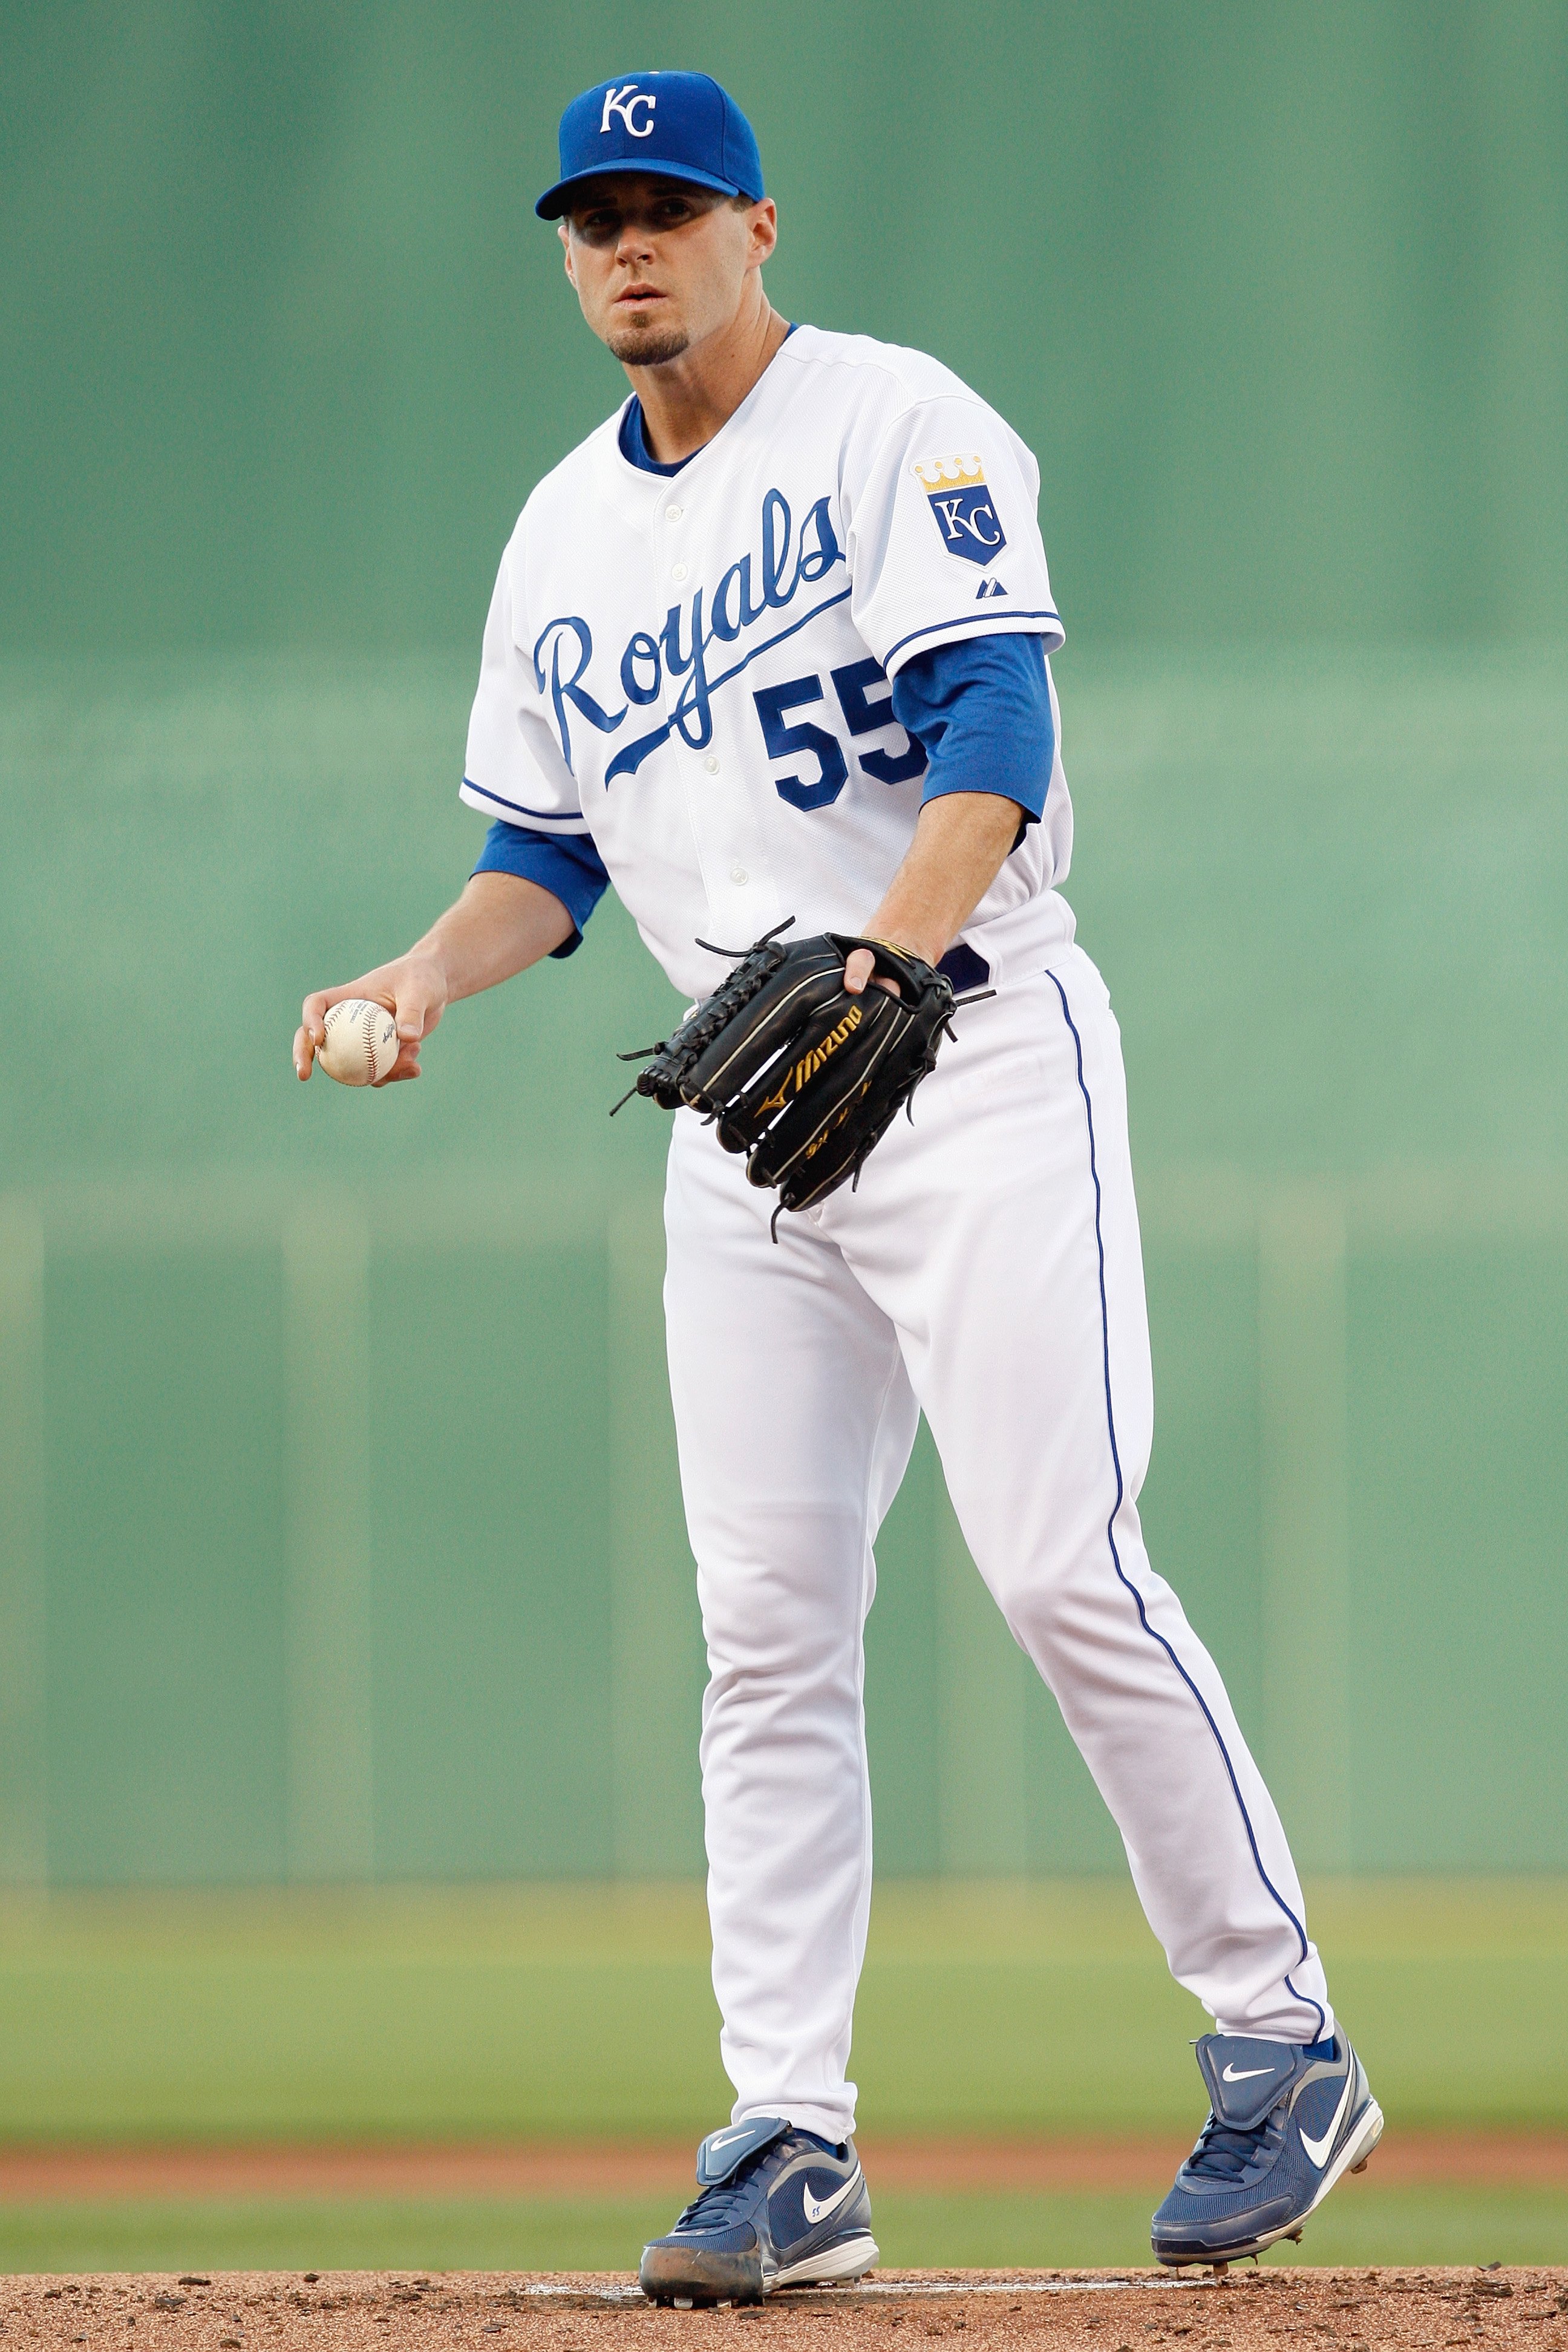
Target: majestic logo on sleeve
[{"x": 961, "y": 502}]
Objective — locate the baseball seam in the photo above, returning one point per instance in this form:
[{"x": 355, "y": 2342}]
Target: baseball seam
[{"x": 368, "y": 1022}]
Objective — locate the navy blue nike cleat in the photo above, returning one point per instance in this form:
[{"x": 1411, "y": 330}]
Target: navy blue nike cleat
[
  {"x": 1284, "y": 2122},
  {"x": 775, "y": 2206}
]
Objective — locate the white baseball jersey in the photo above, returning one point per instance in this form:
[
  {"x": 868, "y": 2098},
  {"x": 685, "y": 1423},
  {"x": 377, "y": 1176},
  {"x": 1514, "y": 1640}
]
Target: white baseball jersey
[{"x": 692, "y": 668}]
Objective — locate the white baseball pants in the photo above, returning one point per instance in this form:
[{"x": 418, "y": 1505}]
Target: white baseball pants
[{"x": 988, "y": 1270}]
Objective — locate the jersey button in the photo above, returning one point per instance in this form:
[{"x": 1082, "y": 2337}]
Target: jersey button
[
  {"x": 678, "y": 572},
  {"x": 673, "y": 514},
  {"x": 711, "y": 763},
  {"x": 738, "y": 877}
]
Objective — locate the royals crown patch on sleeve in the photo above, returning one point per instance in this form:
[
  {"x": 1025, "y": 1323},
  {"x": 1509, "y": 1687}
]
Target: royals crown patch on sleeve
[{"x": 961, "y": 502}]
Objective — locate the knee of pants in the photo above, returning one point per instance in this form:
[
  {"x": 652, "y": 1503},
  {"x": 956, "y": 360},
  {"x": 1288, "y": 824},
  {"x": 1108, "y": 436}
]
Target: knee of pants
[
  {"x": 784, "y": 1591},
  {"x": 1071, "y": 1585}
]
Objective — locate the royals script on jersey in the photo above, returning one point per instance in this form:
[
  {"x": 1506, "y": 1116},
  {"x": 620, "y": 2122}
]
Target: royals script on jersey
[{"x": 694, "y": 669}]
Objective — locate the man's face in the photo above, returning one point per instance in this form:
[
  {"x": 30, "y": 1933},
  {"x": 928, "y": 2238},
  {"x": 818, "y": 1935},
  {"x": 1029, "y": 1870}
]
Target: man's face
[{"x": 659, "y": 265}]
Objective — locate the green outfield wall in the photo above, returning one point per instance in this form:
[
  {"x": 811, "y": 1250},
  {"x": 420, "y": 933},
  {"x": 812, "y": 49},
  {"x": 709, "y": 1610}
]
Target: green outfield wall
[
  {"x": 1274, "y": 286},
  {"x": 338, "y": 1533},
  {"x": 337, "y": 1489}
]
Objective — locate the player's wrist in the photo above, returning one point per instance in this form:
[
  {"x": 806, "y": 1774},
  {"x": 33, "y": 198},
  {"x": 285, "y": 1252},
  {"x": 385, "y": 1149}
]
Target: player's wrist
[
  {"x": 424, "y": 968},
  {"x": 907, "y": 939}
]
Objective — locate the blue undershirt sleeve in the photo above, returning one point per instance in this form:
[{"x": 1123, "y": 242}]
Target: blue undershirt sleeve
[
  {"x": 982, "y": 709},
  {"x": 566, "y": 865}
]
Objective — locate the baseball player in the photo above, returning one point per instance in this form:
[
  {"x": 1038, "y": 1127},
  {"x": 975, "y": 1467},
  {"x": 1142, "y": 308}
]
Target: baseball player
[{"x": 773, "y": 643}]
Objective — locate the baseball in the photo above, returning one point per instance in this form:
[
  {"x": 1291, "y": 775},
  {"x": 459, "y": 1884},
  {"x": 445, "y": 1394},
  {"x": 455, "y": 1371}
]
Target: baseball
[{"x": 361, "y": 1042}]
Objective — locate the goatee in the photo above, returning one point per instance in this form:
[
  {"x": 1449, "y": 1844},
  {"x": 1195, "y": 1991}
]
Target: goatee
[{"x": 644, "y": 346}]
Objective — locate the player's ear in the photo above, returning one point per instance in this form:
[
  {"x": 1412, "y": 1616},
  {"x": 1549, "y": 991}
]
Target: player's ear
[
  {"x": 765, "y": 231},
  {"x": 564, "y": 235}
]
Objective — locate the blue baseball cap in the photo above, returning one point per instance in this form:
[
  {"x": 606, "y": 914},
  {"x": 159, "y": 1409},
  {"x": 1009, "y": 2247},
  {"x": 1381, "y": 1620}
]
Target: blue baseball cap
[{"x": 677, "y": 126}]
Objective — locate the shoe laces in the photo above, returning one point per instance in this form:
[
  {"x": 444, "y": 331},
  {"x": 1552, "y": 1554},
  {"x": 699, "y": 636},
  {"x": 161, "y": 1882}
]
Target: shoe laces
[
  {"x": 1225, "y": 2153},
  {"x": 717, "y": 2206}
]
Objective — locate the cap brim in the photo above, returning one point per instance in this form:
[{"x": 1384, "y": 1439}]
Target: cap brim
[{"x": 556, "y": 200}]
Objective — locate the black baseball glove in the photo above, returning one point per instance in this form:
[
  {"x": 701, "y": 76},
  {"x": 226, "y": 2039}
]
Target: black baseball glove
[{"x": 796, "y": 1073}]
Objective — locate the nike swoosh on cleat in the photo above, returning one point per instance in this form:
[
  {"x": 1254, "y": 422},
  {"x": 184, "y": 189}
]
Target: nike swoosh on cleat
[
  {"x": 1246, "y": 2075},
  {"x": 1317, "y": 2149},
  {"x": 816, "y": 2212}
]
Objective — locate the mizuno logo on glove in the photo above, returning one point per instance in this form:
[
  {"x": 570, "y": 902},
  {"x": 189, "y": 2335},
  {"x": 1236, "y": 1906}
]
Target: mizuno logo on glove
[{"x": 794, "y": 1071}]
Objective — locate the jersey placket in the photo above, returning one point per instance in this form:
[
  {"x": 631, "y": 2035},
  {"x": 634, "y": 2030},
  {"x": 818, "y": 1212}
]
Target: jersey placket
[{"x": 736, "y": 872}]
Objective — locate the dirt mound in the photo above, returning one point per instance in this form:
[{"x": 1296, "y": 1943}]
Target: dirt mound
[{"x": 1251, "y": 2310}]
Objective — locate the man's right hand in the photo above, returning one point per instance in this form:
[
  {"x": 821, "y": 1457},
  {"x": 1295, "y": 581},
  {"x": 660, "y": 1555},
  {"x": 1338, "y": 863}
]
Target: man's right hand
[
  {"x": 414, "y": 991},
  {"x": 500, "y": 925}
]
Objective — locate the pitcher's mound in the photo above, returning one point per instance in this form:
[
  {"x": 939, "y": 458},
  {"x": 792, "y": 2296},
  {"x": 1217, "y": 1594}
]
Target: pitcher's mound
[{"x": 1250, "y": 2310}]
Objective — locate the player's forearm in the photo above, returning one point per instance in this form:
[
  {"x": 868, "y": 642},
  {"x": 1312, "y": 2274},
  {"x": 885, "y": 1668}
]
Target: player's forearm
[
  {"x": 960, "y": 843},
  {"x": 500, "y": 925}
]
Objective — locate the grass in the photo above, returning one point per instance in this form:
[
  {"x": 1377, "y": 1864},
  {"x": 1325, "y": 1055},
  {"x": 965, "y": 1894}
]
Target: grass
[
  {"x": 1359, "y": 2225},
  {"x": 586, "y": 2012}
]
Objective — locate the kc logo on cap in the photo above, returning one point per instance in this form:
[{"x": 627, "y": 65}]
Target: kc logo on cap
[
  {"x": 667, "y": 126},
  {"x": 625, "y": 102}
]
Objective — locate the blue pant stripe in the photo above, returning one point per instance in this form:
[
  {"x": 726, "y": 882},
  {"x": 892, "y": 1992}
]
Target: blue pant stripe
[{"x": 1120, "y": 1495}]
